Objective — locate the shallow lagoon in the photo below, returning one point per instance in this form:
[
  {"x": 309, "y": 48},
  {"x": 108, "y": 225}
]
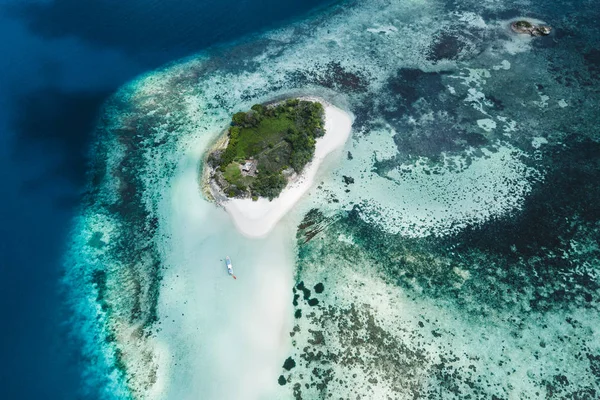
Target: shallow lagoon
[{"x": 233, "y": 348}]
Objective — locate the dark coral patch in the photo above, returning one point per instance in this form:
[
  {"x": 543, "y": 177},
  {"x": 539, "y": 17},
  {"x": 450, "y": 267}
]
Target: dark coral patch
[
  {"x": 447, "y": 46},
  {"x": 412, "y": 84},
  {"x": 306, "y": 293},
  {"x": 319, "y": 287},
  {"x": 458, "y": 42},
  {"x": 289, "y": 363},
  {"x": 332, "y": 76}
]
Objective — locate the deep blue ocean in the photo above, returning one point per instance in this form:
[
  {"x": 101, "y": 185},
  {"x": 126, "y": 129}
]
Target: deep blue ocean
[{"x": 60, "y": 60}]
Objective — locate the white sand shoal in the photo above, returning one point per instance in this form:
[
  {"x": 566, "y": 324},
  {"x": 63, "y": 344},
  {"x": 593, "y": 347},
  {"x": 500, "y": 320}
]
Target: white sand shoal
[{"x": 258, "y": 218}]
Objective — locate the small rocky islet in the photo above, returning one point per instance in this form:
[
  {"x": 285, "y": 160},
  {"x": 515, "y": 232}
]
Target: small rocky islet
[
  {"x": 527, "y": 27},
  {"x": 266, "y": 147}
]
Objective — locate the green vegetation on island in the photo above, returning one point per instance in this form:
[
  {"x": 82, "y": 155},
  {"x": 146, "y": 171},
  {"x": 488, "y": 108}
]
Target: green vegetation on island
[{"x": 266, "y": 146}]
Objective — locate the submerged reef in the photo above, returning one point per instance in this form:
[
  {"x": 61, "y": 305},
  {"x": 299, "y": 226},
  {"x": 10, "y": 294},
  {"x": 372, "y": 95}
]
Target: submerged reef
[
  {"x": 453, "y": 253},
  {"x": 416, "y": 316}
]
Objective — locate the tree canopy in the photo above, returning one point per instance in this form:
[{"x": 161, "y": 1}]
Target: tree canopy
[{"x": 277, "y": 137}]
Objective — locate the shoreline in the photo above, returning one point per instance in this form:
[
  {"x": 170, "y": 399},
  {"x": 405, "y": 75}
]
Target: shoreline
[
  {"x": 206, "y": 184},
  {"x": 255, "y": 219}
]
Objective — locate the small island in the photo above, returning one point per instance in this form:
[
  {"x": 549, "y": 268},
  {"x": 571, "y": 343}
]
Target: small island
[
  {"x": 269, "y": 159},
  {"x": 266, "y": 148}
]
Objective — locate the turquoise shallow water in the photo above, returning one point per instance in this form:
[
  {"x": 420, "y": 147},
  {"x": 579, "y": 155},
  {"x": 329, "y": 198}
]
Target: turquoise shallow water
[{"x": 455, "y": 238}]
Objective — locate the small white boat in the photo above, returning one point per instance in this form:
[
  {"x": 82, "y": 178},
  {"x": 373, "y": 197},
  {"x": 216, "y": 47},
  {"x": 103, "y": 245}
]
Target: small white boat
[{"x": 229, "y": 267}]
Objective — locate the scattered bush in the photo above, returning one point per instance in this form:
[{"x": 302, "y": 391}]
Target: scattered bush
[
  {"x": 259, "y": 108},
  {"x": 238, "y": 118}
]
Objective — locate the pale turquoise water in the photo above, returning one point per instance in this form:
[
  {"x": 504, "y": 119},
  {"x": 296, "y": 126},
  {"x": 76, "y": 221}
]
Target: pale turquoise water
[
  {"x": 459, "y": 261},
  {"x": 233, "y": 347}
]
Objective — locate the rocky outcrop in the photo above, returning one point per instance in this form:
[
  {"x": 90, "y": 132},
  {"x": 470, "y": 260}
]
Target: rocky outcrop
[{"x": 527, "y": 27}]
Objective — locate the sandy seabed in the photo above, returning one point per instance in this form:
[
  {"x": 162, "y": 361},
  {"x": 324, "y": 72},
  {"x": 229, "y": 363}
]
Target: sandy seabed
[
  {"x": 258, "y": 218},
  {"x": 219, "y": 337}
]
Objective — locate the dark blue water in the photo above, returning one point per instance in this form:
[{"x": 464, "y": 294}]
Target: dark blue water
[{"x": 59, "y": 61}]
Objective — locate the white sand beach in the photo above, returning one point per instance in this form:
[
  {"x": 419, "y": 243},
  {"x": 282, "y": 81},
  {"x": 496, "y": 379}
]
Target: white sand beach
[{"x": 258, "y": 218}]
